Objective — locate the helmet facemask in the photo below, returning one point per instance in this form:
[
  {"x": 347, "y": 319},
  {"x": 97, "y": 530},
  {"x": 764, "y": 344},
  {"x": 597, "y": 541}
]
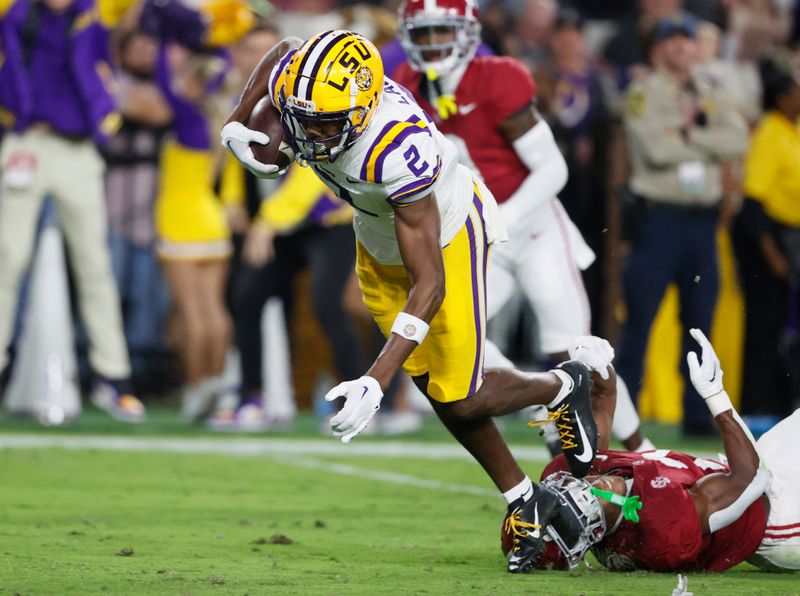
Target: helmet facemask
[
  {"x": 581, "y": 522},
  {"x": 298, "y": 116},
  {"x": 440, "y": 57}
]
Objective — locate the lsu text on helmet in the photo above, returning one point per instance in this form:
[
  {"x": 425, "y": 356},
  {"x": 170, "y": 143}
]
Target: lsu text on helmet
[
  {"x": 439, "y": 35},
  {"x": 332, "y": 86},
  {"x": 580, "y": 523}
]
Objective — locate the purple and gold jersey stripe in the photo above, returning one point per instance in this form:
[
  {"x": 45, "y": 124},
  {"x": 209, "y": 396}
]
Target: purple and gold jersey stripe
[
  {"x": 408, "y": 194},
  {"x": 478, "y": 244},
  {"x": 389, "y": 139}
]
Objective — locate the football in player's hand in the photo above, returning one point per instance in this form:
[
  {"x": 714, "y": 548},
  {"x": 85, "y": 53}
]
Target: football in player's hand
[{"x": 266, "y": 118}]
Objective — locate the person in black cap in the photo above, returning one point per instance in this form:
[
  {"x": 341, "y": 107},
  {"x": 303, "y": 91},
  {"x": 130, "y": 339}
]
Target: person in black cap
[{"x": 680, "y": 128}]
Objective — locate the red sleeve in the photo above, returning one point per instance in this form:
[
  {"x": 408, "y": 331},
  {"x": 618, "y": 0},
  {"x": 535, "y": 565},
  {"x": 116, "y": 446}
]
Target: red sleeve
[
  {"x": 405, "y": 75},
  {"x": 511, "y": 84}
]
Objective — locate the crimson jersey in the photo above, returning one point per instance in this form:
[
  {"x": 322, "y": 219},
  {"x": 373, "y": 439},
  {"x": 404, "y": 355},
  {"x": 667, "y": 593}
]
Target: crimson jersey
[
  {"x": 669, "y": 536},
  {"x": 491, "y": 89}
]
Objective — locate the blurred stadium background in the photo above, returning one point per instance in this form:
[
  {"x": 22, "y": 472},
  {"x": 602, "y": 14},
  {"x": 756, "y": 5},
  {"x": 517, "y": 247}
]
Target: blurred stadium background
[{"x": 583, "y": 56}]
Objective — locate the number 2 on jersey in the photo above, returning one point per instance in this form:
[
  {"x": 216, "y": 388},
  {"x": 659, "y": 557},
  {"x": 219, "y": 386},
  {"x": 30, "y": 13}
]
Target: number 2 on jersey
[{"x": 412, "y": 158}]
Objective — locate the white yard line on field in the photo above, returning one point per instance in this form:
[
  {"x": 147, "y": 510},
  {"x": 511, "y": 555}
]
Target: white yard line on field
[
  {"x": 391, "y": 477},
  {"x": 256, "y": 446},
  {"x": 297, "y": 449},
  {"x": 274, "y": 448}
]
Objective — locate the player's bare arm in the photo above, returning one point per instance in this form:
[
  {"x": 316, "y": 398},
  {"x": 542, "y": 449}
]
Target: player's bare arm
[
  {"x": 716, "y": 492},
  {"x": 258, "y": 83},
  {"x": 604, "y": 402},
  {"x": 418, "y": 230},
  {"x": 237, "y": 135},
  {"x": 720, "y": 499}
]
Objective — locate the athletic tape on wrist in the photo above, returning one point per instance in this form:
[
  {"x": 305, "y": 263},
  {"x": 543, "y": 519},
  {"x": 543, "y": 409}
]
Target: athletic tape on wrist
[
  {"x": 719, "y": 403},
  {"x": 410, "y": 327}
]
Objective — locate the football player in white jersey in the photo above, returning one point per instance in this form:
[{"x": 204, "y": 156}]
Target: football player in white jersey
[
  {"x": 504, "y": 140},
  {"x": 423, "y": 225}
]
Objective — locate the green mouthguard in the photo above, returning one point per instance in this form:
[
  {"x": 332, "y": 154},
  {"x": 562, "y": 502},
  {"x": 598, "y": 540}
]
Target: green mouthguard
[{"x": 629, "y": 505}]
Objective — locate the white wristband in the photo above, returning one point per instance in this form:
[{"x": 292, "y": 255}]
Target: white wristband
[
  {"x": 719, "y": 403},
  {"x": 410, "y": 327}
]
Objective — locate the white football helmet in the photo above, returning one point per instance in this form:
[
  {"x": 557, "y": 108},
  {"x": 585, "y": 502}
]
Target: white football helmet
[
  {"x": 419, "y": 19},
  {"x": 581, "y": 522}
]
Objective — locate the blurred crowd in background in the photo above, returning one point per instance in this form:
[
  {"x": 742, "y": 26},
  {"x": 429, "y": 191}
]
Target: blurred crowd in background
[{"x": 198, "y": 246}]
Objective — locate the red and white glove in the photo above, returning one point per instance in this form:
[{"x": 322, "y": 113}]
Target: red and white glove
[{"x": 594, "y": 352}]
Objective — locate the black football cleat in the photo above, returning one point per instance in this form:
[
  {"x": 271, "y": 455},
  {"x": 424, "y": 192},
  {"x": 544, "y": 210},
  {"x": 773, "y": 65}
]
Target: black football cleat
[
  {"x": 577, "y": 429},
  {"x": 526, "y": 524}
]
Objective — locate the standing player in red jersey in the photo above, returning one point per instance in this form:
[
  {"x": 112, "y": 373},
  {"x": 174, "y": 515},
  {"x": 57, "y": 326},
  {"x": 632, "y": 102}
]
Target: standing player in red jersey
[
  {"x": 486, "y": 106},
  {"x": 668, "y": 511}
]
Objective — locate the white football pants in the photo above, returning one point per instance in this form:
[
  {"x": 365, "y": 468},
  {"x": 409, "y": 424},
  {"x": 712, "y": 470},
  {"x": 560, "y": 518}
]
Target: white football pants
[
  {"x": 546, "y": 264},
  {"x": 780, "y": 547}
]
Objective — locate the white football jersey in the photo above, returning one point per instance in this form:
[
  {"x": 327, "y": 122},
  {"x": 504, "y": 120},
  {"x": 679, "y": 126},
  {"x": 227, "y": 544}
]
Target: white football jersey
[{"x": 401, "y": 158}]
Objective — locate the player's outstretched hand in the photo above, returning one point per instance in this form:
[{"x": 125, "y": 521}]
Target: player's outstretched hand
[
  {"x": 594, "y": 352},
  {"x": 236, "y": 137},
  {"x": 362, "y": 400},
  {"x": 706, "y": 376},
  {"x": 682, "y": 589}
]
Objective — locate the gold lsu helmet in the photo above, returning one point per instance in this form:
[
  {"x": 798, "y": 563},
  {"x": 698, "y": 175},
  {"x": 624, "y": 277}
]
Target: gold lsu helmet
[{"x": 334, "y": 77}]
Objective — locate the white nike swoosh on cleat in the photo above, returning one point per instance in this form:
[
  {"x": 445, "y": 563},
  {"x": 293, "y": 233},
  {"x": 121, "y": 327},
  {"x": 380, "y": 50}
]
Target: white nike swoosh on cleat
[
  {"x": 536, "y": 521},
  {"x": 528, "y": 492},
  {"x": 586, "y": 455},
  {"x": 464, "y": 110}
]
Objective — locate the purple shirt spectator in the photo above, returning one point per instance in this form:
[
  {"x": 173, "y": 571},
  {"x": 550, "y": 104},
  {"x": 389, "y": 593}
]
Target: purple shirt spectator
[{"x": 50, "y": 76}]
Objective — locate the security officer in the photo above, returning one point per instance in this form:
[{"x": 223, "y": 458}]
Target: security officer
[
  {"x": 57, "y": 108},
  {"x": 680, "y": 128}
]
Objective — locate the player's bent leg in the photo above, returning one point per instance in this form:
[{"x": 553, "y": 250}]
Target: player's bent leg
[
  {"x": 480, "y": 437},
  {"x": 528, "y": 508},
  {"x": 565, "y": 390}
]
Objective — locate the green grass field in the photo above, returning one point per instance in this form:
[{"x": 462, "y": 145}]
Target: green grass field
[{"x": 84, "y": 519}]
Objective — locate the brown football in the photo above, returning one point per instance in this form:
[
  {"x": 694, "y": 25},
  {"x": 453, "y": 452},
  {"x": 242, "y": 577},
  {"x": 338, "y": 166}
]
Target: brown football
[{"x": 267, "y": 119}]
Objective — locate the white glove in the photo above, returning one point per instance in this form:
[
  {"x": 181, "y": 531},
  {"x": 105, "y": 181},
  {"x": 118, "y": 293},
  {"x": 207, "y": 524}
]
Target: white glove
[
  {"x": 362, "y": 399},
  {"x": 683, "y": 584},
  {"x": 706, "y": 377},
  {"x": 236, "y": 137},
  {"x": 594, "y": 352}
]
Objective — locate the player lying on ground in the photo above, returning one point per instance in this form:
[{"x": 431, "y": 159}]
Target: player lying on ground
[
  {"x": 423, "y": 225},
  {"x": 668, "y": 511}
]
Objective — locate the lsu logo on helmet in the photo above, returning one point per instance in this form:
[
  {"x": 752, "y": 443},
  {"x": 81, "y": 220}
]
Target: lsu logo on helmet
[{"x": 335, "y": 78}]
